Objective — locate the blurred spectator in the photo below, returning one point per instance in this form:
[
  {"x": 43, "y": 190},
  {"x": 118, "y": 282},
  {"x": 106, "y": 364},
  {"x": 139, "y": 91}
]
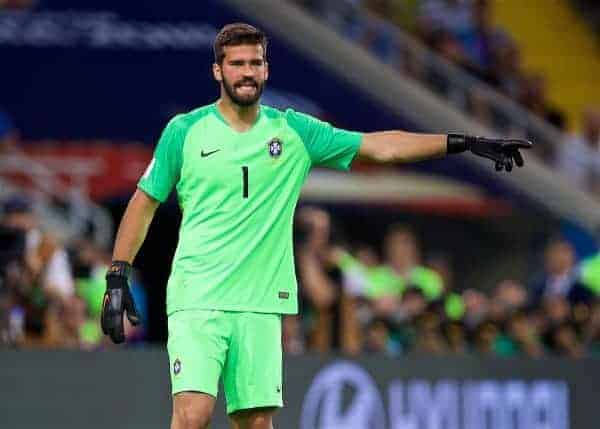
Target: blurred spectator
[
  {"x": 559, "y": 276},
  {"x": 476, "y": 309},
  {"x": 377, "y": 35},
  {"x": 403, "y": 257},
  {"x": 429, "y": 336},
  {"x": 518, "y": 338},
  {"x": 470, "y": 24},
  {"x": 564, "y": 341},
  {"x": 533, "y": 96},
  {"x": 506, "y": 72},
  {"x": 579, "y": 157},
  {"x": 456, "y": 337},
  {"x": 591, "y": 332},
  {"x": 318, "y": 290},
  {"x": 480, "y": 43},
  {"x": 560, "y": 334},
  {"x": 454, "y": 16},
  {"x": 292, "y": 338},
  {"x": 36, "y": 276},
  {"x": 44, "y": 255},
  {"x": 484, "y": 338},
  {"x": 511, "y": 295},
  {"x": 448, "y": 47},
  {"x": 377, "y": 337}
]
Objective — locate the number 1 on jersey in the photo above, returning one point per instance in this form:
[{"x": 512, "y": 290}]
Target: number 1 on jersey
[{"x": 245, "y": 179}]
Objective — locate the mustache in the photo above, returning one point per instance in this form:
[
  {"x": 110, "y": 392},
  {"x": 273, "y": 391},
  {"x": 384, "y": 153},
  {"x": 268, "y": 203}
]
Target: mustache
[{"x": 246, "y": 82}]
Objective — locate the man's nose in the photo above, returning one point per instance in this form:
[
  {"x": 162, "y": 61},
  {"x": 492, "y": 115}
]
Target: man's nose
[{"x": 247, "y": 70}]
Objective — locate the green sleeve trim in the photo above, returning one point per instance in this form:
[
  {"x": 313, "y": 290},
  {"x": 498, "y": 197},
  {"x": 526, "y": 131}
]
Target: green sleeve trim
[{"x": 148, "y": 191}]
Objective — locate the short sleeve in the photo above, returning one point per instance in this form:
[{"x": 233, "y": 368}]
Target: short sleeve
[
  {"x": 327, "y": 146},
  {"x": 162, "y": 174}
]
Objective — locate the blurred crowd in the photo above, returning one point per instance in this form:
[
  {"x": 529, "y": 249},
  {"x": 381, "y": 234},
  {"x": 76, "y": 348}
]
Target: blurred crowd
[
  {"x": 462, "y": 32},
  {"x": 355, "y": 298},
  {"x": 51, "y": 295},
  {"x": 391, "y": 300}
]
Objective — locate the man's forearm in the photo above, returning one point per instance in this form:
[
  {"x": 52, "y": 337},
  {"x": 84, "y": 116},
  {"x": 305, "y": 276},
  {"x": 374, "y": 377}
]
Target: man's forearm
[
  {"x": 134, "y": 227},
  {"x": 400, "y": 146}
]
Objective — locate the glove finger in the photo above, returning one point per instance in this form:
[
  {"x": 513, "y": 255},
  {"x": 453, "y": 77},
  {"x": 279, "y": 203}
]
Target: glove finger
[
  {"x": 132, "y": 313},
  {"x": 499, "y": 165},
  {"x": 520, "y": 144},
  {"x": 115, "y": 316},
  {"x": 518, "y": 158},
  {"x": 508, "y": 163},
  {"x": 104, "y": 314},
  {"x": 117, "y": 332}
]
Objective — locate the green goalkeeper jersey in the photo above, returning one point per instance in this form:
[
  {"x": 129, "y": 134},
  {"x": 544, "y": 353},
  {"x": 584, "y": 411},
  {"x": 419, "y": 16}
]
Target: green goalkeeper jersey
[{"x": 237, "y": 192}]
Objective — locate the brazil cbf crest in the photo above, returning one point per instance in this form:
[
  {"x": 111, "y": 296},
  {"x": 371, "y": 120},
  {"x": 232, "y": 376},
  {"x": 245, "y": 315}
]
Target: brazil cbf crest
[
  {"x": 275, "y": 147},
  {"x": 177, "y": 367}
]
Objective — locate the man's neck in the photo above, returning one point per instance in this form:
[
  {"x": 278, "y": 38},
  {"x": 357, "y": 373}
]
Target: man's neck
[{"x": 240, "y": 118}]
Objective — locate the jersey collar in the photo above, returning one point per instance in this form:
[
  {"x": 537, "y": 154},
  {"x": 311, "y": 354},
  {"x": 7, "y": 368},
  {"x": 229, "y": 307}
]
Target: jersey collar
[{"x": 222, "y": 119}]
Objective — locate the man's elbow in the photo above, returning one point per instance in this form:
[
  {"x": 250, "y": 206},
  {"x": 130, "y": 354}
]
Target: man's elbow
[{"x": 380, "y": 152}]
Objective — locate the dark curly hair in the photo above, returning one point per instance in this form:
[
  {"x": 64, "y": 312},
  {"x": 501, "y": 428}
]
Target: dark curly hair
[{"x": 237, "y": 34}]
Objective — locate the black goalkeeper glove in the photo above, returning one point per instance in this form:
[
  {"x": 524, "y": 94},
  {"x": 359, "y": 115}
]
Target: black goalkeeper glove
[
  {"x": 117, "y": 299},
  {"x": 504, "y": 152}
]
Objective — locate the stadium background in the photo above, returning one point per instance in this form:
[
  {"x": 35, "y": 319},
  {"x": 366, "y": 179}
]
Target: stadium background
[{"x": 501, "y": 273}]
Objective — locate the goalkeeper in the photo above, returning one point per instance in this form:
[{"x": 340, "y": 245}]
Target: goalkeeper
[{"x": 238, "y": 167}]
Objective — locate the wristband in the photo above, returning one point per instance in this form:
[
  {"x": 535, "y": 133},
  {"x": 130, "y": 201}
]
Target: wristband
[
  {"x": 119, "y": 269},
  {"x": 457, "y": 143}
]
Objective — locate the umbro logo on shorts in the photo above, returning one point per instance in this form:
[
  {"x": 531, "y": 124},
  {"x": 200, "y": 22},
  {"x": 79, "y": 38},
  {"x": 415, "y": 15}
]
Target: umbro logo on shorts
[{"x": 284, "y": 295}]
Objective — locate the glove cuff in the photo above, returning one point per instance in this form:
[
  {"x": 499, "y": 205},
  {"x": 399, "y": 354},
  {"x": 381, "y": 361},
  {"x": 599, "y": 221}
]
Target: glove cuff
[
  {"x": 457, "y": 143},
  {"x": 119, "y": 269}
]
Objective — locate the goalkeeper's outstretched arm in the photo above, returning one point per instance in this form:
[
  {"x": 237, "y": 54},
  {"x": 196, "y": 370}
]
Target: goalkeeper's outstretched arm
[{"x": 401, "y": 146}]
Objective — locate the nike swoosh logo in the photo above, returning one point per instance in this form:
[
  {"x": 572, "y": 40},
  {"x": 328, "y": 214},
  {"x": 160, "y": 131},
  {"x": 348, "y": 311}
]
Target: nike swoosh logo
[{"x": 205, "y": 154}]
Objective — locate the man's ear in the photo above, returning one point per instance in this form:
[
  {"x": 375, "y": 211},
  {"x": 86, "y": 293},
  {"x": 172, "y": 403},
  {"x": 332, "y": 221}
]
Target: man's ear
[
  {"x": 217, "y": 72},
  {"x": 266, "y": 70}
]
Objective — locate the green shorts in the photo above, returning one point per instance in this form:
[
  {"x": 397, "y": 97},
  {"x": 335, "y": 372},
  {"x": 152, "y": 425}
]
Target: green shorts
[{"x": 242, "y": 347}]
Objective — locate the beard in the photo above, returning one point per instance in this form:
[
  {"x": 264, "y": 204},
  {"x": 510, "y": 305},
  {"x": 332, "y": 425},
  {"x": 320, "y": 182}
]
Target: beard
[{"x": 243, "y": 100}]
